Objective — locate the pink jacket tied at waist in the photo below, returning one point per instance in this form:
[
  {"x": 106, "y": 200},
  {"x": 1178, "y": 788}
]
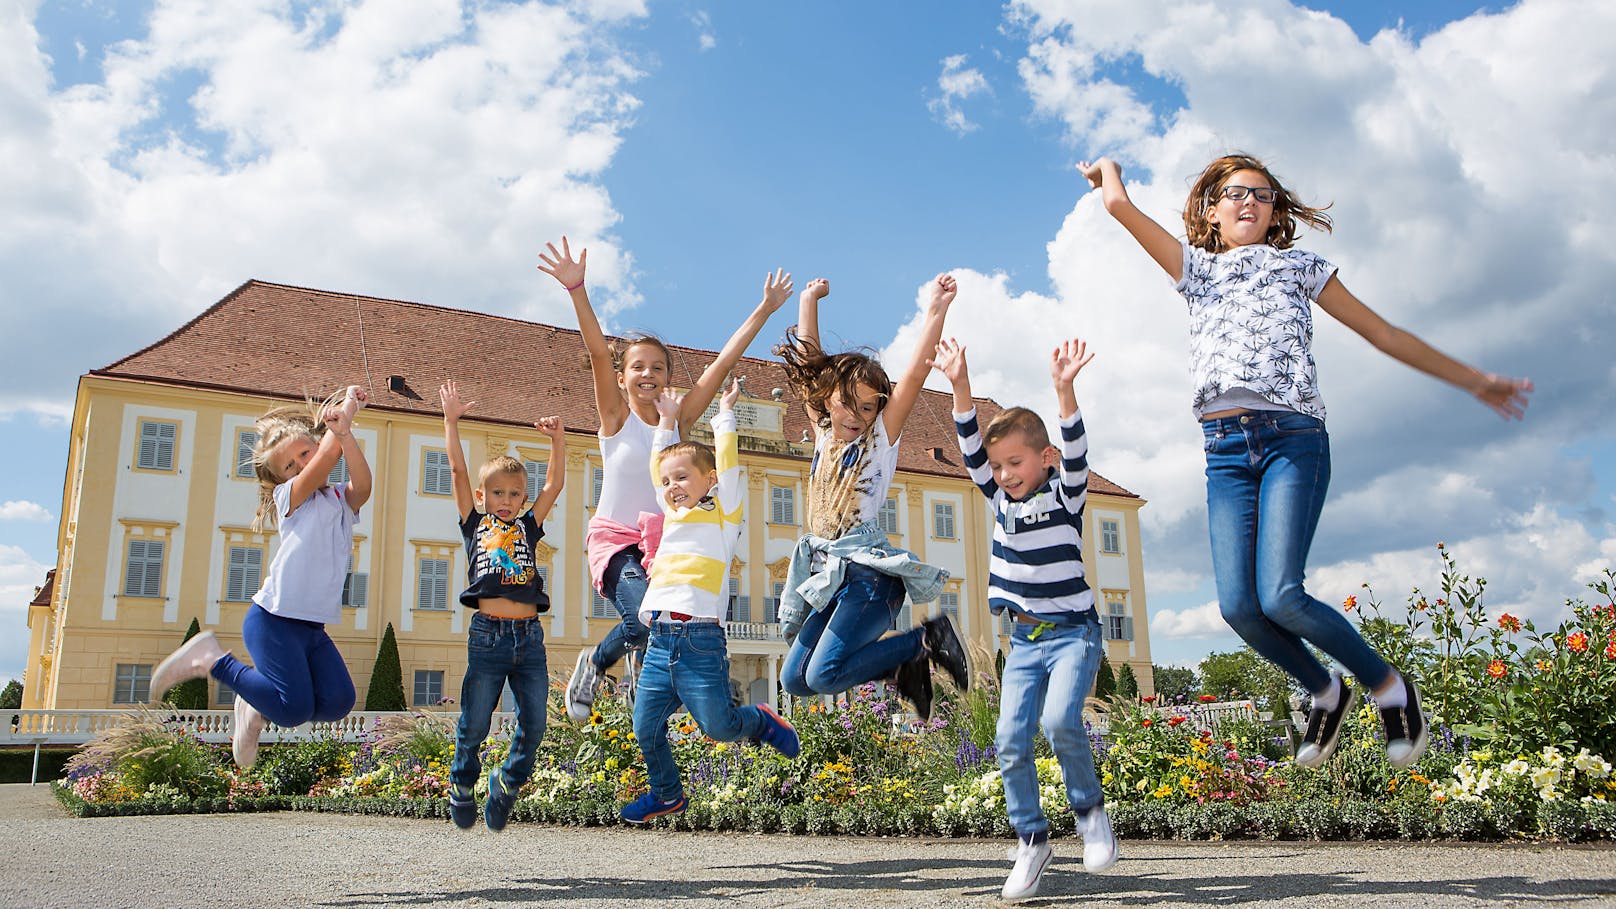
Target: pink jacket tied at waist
[{"x": 606, "y": 538}]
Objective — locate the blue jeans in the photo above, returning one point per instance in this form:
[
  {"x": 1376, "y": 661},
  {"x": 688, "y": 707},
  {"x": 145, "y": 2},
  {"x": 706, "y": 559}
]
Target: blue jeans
[
  {"x": 841, "y": 646},
  {"x": 686, "y": 662},
  {"x": 1047, "y": 679},
  {"x": 624, "y": 584},
  {"x": 1266, "y": 475},
  {"x": 297, "y": 674},
  {"x": 497, "y": 651}
]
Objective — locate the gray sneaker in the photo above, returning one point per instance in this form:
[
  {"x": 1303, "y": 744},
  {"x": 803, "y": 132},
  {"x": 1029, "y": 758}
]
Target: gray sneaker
[
  {"x": 581, "y": 690},
  {"x": 631, "y": 678}
]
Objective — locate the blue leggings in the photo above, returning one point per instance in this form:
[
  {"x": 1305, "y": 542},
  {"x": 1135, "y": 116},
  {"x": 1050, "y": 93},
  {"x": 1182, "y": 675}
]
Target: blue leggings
[{"x": 299, "y": 674}]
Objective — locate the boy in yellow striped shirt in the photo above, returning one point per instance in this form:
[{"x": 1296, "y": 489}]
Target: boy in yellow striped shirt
[{"x": 687, "y": 660}]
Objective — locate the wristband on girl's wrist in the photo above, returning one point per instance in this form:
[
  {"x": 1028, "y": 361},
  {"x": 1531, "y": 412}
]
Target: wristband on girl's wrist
[{"x": 575, "y": 286}]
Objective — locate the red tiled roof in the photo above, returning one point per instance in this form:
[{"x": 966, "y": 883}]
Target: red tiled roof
[
  {"x": 281, "y": 341},
  {"x": 42, "y": 596}
]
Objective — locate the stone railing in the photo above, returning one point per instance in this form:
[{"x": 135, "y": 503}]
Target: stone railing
[
  {"x": 75, "y": 727},
  {"x": 753, "y": 631}
]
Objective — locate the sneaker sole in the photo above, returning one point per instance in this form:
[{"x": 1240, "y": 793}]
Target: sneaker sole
[
  {"x": 1420, "y": 744},
  {"x": 577, "y": 709},
  {"x": 1326, "y": 752}
]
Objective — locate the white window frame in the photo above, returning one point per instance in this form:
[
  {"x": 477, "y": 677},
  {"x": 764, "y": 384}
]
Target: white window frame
[
  {"x": 436, "y": 599},
  {"x": 437, "y": 479},
  {"x": 156, "y": 445},
  {"x": 942, "y": 512},
  {"x": 245, "y": 575},
  {"x": 536, "y": 472},
  {"x": 433, "y": 679},
  {"x": 887, "y": 517},
  {"x": 1110, "y": 536},
  {"x": 783, "y": 505},
  {"x": 151, "y": 570},
  {"x": 246, "y": 441}
]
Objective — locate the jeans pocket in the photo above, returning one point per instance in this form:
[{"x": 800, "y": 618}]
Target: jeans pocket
[
  {"x": 706, "y": 644},
  {"x": 479, "y": 639},
  {"x": 1296, "y": 424}
]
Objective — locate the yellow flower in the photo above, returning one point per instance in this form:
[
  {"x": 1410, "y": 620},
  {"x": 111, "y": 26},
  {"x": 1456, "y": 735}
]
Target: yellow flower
[{"x": 1163, "y": 791}]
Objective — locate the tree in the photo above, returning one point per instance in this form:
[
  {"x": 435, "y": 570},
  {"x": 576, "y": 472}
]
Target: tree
[
  {"x": 1246, "y": 674},
  {"x": 1127, "y": 685},
  {"x": 191, "y": 694},
  {"x": 11, "y": 698},
  {"x": 1175, "y": 684},
  {"x": 1105, "y": 681},
  {"x": 387, "y": 679}
]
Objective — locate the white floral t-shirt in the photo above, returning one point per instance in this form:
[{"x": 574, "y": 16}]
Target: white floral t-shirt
[{"x": 1251, "y": 324}]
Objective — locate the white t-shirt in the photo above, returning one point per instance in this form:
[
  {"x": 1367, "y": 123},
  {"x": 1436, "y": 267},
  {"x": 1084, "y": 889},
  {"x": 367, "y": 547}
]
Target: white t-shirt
[
  {"x": 306, "y": 575},
  {"x": 869, "y": 490},
  {"x": 625, "y": 489},
  {"x": 1251, "y": 324}
]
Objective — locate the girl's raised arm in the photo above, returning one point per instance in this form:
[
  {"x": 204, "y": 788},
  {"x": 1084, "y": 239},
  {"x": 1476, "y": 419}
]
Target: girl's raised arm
[
  {"x": 1504, "y": 395},
  {"x": 808, "y": 326},
  {"x": 776, "y": 291},
  {"x": 907, "y": 388},
  {"x": 1105, "y": 175},
  {"x": 609, "y": 403}
]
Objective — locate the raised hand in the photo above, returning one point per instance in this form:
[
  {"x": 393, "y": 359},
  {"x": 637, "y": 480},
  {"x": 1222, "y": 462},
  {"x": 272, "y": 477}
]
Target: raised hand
[
  {"x": 355, "y": 399},
  {"x": 338, "y": 421},
  {"x": 817, "y": 289},
  {"x": 1504, "y": 395},
  {"x": 776, "y": 289},
  {"x": 667, "y": 405},
  {"x": 950, "y": 360},
  {"x": 1067, "y": 360},
  {"x": 1094, "y": 171},
  {"x": 943, "y": 290},
  {"x": 560, "y": 264},
  {"x": 731, "y": 394},
  {"x": 551, "y": 427},
  {"x": 453, "y": 407}
]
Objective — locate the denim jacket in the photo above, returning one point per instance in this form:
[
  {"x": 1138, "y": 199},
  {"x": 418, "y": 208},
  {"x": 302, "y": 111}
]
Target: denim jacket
[{"x": 867, "y": 545}]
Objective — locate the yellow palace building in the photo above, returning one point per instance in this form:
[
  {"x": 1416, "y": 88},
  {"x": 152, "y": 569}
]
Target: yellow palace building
[{"x": 156, "y": 507}]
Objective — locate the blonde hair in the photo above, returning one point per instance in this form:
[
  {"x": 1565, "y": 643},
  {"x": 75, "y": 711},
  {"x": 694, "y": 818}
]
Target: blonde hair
[
  {"x": 273, "y": 428},
  {"x": 1288, "y": 210},
  {"x": 698, "y": 452},
  {"x": 1017, "y": 419},
  {"x": 501, "y": 464}
]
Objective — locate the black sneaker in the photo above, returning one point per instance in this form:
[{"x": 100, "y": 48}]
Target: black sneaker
[
  {"x": 947, "y": 651},
  {"x": 497, "y": 810},
  {"x": 1407, "y": 732},
  {"x": 914, "y": 685},
  {"x": 462, "y": 808},
  {"x": 1324, "y": 727}
]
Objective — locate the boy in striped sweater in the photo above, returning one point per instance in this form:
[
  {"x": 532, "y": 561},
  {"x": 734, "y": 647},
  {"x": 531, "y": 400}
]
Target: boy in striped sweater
[
  {"x": 687, "y": 660},
  {"x": 1036, "y": 572}
]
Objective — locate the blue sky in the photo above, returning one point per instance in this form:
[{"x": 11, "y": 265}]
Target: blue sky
[{"x": 698, "y": 145}]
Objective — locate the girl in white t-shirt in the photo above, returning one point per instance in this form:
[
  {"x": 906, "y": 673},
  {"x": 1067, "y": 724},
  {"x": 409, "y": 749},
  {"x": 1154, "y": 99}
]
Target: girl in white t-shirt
[
  {"x": 1250, "y": 299},
  {"x": 624, "y": 530},
  {"x": 846, "y": 582},
  {"x": 298, "y": 674}
]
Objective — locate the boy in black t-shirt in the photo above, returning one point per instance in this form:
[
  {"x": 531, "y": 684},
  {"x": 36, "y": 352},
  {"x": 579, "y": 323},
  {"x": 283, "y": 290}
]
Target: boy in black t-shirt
[{"x": 506, "y": 640}]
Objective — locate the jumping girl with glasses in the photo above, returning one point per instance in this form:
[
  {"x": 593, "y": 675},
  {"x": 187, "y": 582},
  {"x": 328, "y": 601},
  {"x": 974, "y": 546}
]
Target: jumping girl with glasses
[{"x": 1267, "y": 453}]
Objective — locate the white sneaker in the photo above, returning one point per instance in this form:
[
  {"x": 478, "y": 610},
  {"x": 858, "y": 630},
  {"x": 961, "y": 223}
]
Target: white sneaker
[
  {"x": 1031, "y": 859},
  {"x": 581, "y": 690},
  {"x": 244, "y": 737},
  {"x": 631, "y": 679},
  {"x": 192, "y": 660},
  {"x": 1099, "y": 845}
]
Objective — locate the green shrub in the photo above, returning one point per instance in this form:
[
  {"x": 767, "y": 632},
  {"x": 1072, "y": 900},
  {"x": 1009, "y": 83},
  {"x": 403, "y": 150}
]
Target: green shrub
[{"x": 386, "y": 690}]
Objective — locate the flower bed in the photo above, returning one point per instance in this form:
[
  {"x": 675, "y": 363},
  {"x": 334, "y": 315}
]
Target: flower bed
[{"x": 864, "y": 770}]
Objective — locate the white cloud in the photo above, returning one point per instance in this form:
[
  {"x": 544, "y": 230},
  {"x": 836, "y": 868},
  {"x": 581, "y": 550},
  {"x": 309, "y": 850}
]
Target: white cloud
[
  {"x": 24, "y": 511},
  {"x": 1196, "y": 622},
  {"x": 421, "y": 150},
  {"x": 1469, "y": 198},
  {"x": 706, "y": 38},
  {"x": 20, "y": 575},
  {"x": 956, "y": 83}
]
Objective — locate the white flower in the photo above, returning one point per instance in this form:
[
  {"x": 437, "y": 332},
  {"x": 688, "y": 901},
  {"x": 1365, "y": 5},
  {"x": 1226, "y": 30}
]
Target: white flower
[{"x": 1517, "y": 767}]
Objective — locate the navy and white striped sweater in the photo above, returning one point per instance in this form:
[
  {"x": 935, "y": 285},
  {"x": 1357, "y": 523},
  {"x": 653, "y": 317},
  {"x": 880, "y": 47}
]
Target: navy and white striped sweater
[{"x": 1037, "y": 562}]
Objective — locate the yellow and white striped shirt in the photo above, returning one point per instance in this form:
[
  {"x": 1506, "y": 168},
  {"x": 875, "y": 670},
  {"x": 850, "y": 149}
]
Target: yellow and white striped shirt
[{"x": 690, "y": 574}]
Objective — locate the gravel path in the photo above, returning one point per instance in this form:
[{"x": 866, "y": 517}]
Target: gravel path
[{"x": 295, "y": 859}]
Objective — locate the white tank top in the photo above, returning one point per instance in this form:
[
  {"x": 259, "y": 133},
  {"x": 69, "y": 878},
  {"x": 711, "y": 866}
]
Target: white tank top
[{"x": 626, "y": 490}]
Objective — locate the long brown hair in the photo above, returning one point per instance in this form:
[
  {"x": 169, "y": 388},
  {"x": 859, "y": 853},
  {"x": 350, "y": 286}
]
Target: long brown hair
[
  {"x": 815, "y": 375},
  {"x": 1288, "y": 209}
]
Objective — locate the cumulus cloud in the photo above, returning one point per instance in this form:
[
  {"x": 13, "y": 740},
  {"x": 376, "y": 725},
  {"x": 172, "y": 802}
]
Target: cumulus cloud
[
  {"x": 24, "y": 511},
  {"x": 1468, "y": 173},
  {"x": 20, "y": 575},
  {"x": 1195, "y": 622},
  {"x": 420, "y": 149},
  {"x": 956, "y": 83}
]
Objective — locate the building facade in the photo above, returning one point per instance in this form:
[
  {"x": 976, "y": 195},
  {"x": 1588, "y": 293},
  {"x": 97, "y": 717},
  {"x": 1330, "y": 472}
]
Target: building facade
[{"x": 157, "y": 506}]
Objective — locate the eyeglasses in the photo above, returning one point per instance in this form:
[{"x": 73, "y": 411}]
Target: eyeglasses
[{"x": 1238, "y": 194}]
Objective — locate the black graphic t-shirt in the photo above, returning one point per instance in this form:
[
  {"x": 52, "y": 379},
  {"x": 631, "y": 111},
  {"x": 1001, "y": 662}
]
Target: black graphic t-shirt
[{"x": 499, "y": 559}]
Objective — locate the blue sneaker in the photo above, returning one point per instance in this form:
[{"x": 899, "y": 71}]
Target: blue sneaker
[
  {"x": 648, "y": 806},
  {"x": 779, "y": 734},
  {"x": 497, "y": 810},
  {"x": 462, "y": 808}
]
